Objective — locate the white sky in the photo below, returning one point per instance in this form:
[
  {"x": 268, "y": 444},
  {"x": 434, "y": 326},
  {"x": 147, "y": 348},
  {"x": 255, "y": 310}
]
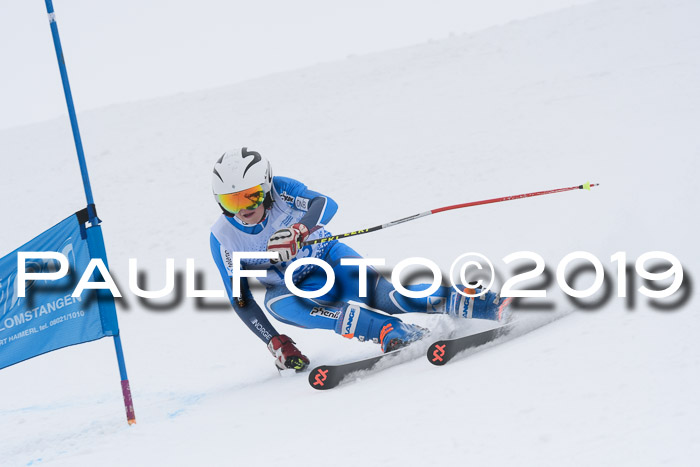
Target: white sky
[{"x": 130, "y": 50}]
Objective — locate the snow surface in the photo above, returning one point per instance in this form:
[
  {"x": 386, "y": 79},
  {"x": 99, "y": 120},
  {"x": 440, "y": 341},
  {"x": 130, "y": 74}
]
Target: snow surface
[
  {"x": 605, "y": 92},
  {"x": 140, "y": 50}
]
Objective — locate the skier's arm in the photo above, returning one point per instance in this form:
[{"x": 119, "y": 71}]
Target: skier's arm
[
  {"x": 251, "y": 314},
  {"x": 320, "y": 211},
  {"x": 319, "y": 208}
]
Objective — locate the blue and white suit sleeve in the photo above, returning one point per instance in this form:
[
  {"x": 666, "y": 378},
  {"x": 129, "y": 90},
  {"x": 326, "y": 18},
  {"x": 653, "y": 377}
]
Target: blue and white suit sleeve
[
  {"x": 319, "y": 208},
  {"x": 251, "y": 314}
]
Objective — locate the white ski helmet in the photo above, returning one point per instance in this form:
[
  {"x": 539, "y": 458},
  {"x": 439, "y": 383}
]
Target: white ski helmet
[{"x": 240, "y": 170}]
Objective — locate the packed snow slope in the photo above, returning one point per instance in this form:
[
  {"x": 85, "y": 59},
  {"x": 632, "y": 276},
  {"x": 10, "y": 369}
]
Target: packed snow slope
[{"x": 606, "y": 92}]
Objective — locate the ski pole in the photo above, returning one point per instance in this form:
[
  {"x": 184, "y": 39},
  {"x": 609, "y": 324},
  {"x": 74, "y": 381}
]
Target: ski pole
[{"x": 585, "y": 186}]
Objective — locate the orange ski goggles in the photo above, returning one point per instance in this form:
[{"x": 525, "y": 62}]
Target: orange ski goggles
[{"x": 247, "y": 199}]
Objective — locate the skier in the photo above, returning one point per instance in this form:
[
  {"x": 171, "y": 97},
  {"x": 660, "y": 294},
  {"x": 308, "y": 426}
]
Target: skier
[{"x": 265, "y": 213}]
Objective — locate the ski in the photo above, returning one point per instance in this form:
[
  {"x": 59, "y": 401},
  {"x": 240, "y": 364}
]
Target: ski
[
  {"x": 329, "y": 376},
  {"x": 441, "y": 352}
]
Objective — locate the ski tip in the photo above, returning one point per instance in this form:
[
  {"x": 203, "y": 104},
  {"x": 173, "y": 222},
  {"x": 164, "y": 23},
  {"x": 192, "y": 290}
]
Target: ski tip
[
  {"x": 318, "y": 376},
  {"x": 436, "y": 353}
]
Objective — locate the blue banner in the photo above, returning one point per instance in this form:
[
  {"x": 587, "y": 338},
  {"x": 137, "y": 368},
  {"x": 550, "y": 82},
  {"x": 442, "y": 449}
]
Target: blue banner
[{"x": 48, "y": 317}]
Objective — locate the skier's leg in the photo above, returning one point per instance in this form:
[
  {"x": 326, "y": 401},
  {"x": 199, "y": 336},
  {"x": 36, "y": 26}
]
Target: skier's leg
[
  {"x": 347, "y": 319},
  {"x": 382, "y": 295},
  {"x": 385, "y": 297},
  {"x": 445, "y": 300},
  {"x": 302, "y": 312}
]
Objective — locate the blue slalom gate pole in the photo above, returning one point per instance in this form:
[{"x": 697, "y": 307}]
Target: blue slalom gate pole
[{"x": 92, "y": 213}]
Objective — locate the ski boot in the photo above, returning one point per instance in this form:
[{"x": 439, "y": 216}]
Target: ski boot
[
  {"x": 394, "y": 336},
  {"x": 487, "y": 306},
  {"x": 390, "y": 332}
]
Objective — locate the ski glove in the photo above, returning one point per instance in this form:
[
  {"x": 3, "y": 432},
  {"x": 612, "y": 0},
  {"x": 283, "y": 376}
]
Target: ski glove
[
  {"x": 287, "y": 356},
  {"x": 287, "y": 241}
]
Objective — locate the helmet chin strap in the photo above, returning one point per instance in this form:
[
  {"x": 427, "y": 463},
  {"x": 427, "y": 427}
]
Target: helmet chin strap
[{"x": 268, "y": 201}]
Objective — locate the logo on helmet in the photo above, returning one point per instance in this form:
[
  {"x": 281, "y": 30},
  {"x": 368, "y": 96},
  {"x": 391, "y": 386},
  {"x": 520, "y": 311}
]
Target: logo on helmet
[{"x": 256, "y": 158}]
